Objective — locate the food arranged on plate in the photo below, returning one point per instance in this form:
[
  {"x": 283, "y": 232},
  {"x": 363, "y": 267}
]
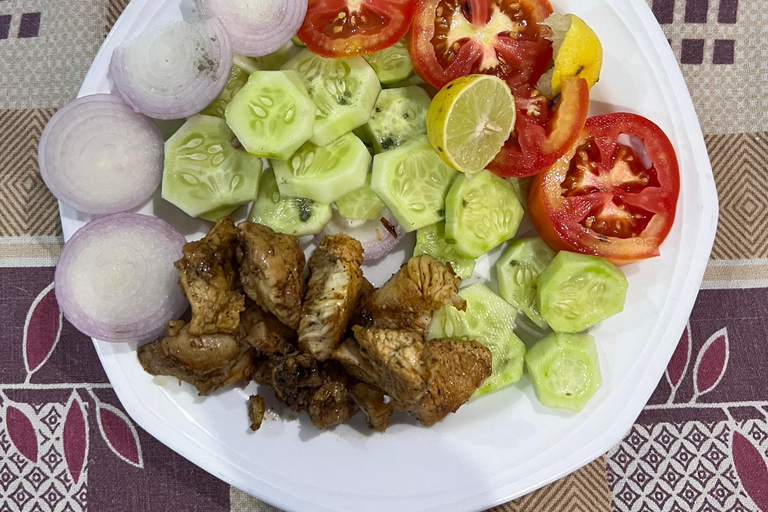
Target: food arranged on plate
[{"x": 348, "y": 127}]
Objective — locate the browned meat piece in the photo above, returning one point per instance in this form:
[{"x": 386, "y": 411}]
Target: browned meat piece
[
  {"x": 334, "y": 285},
  {"x": 256, "y": 411},
  {"x": 199, "y": 353},
  {"x": 331, "y": 405},
  {"x": 361, "y": 316},
  {"x": 208, "y": 275},
  {"x": 387, "y": 358},
  {"x": 265, "y": 332},
  {"x": 371, "y": 400},
  {"x": 271, "y": 268},
  {"x": 456, "y": 369},
  {"x": 421, "y": 286}
]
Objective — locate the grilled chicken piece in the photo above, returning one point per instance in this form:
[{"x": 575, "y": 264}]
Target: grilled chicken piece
[
  {"x": 208, "y": 276},
  {"x": 271, "y": 268},
  {"x": 256, "y": 410},
  {"x": 334, "y": 285},
  {"x": 331, "y": 405},
  {"x": 370, "y": 399},
  {"x": 199, "y": 353},
  {"x": 408, "y": 299},
  {"x": 360, "y": 315},
  {"x": 265, "y": 332}
]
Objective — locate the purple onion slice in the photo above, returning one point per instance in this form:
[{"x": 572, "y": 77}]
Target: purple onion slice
[
  {"x": 256, "y": 27},
  {"x": 175, "y": 71},
  {"x": 115, "y": 280},
  {"x": 378, "y": 237}
]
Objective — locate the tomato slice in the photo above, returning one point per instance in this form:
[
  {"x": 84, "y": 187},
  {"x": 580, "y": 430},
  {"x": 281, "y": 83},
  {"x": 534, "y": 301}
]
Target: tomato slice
[
  {"x": 344, "y": 28},
  {"x": 611, "y": 198},
  {"x": 453, "y": 38},
  {"x": 542, "y": 136}
]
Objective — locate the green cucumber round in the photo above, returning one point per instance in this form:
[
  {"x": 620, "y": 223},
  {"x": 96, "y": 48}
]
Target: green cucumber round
[
  {"x": 272, "y": 115},
  {"x": 361, "y": 204},
  {"x": 324, "y": 173},
  {"x": 278, "y": 58},
  {"x": 238, "y": 77},
  {"x": 204, "y": 172},
  {"x": 412, "y": 180},
  {"x": 576, "y": 291},
  {"x": 344, "y": 91},
  {"x": 489, "y": 320},
  {"x": 565, "y": 370},
  {"x": 290, "y": 215},
  {"x": 481, "y": 212},
  {"x": 431, "y": 240},
  {"x": 391, "y": 64},
  {"x": 517, "y": 271},
  {"x": 398, "y": 116}
]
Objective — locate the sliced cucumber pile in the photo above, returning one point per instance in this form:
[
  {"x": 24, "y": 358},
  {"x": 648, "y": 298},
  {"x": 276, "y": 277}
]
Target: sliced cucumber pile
[
  {"x": 272, "y": 115},
  {"x": 431, "y": 240},
  {"x": 481, "y": 212},
  {"x": 344, "y": 91},
  {"x": 564, "y": 370},
  {"x": 576, "y": 291},
  {"x": 324, "y": 173},
  {"x": 412, "y": 180},
  {"x": 289, "y": 215},
  {"x": 391, "y": 64},
  {"x": 398, "y": 116},
  {"x": 238, "y": 77},
  {"x": 204, "y": 174},
  {"x": 517, "y": 272},
  {"x": 361, "y": 204},
  {"x": 489, "y": 320}
]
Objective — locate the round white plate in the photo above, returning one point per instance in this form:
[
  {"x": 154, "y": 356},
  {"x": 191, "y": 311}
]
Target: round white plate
[{"x": 496, "y": 448}]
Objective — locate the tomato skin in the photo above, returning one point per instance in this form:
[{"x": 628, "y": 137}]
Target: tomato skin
[
  {"x": 517, "y": 60},
  {"x": 537, "y": 143},
  {"x": 340, "y": 29},
  {"x": 639, "y": 203}
]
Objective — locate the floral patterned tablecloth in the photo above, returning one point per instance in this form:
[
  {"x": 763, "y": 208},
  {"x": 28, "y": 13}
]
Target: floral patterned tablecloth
[{"x": 700, "y": 444}]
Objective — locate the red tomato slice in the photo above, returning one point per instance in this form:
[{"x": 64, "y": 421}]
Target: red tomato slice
[
  {"x": 609, "y": 199},
  {"x": 542, "y": 136},
  {"x": 453, "y": 38},
  {"x": 345, "y": 28}
]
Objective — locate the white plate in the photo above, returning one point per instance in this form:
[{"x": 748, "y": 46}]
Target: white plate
[{"x": 493, "y": 449}]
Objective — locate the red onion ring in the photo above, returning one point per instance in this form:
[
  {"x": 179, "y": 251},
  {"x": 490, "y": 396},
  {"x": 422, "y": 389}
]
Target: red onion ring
[
  {"x": 257, "y": 27},
  {"x": 375, "y": 237},
  {"x": 115, "y": 280},
  {"x": 175, "y": 72},
  {"x": 99, "y": 156}
]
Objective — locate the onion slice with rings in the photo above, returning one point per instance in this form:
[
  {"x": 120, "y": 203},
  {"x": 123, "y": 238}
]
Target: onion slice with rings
[
  {"x": 174, "y": 72},
  {"x": 378, "y": 237},
  {"x": 257, "y": 27},
  {"x": 99, "y": 156},
  {"x": 115, "y": 279}
]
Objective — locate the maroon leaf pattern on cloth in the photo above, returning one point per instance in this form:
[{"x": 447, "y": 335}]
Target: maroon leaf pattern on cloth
[
  {"x": 679, "y": 363},
  {"x": 75, "y": 437},
  {"x": 22, "y": 432},
  {"x": 42, "y": 330},
  {"x": 711, "y": 363},
  {"x": 752, "y": 470},
  {"x": 119, "y": 434}
]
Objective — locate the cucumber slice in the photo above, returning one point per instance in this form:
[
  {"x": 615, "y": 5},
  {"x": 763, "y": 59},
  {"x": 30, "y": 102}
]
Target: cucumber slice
[
  {"x": 247, "y": 64},
  {"x": 481, "y": 212},
  {"x": 391, "y": 64},
  {"x": 517, "y": 271},
  {"x": 289, "y": 215},
  {"x": 564, "y": 370},
  {"x": 412, "y": 180},
  {"x": 398, "y": 116},
  {"x": 344, "y": 91},
  {"x": 238, "y": 77},
  {"x": 278, "y": 58},
  {"x": 324, "y": 173},
  {"x": 576, "y": 291},
  {"x": 521, "y": 186},
  {"x": 361, "y": 204},
  {"x": 295, "y": 40},
  {"x": 203, "y": 172},
  {"x": 363, "y": 136},
  {"x": 218, "y": 214},
  {"x": 490, "y": 320},
  {"x": 272, "y": 115},
  {"x": 431, "y": 240}
]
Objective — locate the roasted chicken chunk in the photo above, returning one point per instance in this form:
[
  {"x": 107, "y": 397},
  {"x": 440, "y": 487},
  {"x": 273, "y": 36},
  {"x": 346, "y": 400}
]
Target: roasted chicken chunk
[
  {"x": 265, "y": 332},
  {"x": 256, "y": 410},
  {"x": 208, "y": 276},
  {"x": 271, "y": 268},
  {"x": 372, "y": 401},
  {"x": 335, "y": 280},
  {"x": 408, "y": 299}
]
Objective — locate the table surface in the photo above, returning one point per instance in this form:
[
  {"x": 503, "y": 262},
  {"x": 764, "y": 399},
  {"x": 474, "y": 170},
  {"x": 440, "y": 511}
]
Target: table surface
[{"x": 700, "y": 444}]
